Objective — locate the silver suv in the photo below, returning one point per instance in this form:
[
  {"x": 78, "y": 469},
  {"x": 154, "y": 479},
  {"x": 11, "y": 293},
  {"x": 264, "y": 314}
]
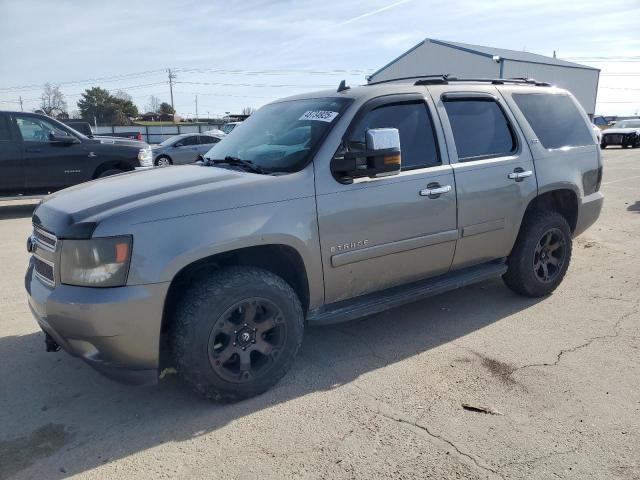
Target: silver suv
[{"x": 320, "y": 208}]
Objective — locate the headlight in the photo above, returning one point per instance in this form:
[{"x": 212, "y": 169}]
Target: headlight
[
  {"x": 145, "y": 157},
  {"x": 97, "y": 262}
]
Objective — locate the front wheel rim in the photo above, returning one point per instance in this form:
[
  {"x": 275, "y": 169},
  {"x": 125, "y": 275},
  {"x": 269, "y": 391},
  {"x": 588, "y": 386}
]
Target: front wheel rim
[
  {"x": 163, "y": 162},
  {"x": 549, "y": 255},
  {"x": 247, "y": 340}
]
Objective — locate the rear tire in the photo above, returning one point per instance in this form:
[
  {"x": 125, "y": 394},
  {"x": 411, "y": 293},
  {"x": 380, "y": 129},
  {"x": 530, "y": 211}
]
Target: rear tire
[
  {"x": 603, "y": 146},
  {"x": 108, "y": 173},
  {"x": 236, "y": 333},
  {"x": 539, "y": 260}
]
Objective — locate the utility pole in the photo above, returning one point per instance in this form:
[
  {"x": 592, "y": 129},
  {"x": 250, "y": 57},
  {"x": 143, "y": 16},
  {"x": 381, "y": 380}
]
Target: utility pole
[
  {"x": 196, "y": 108},
  {"x": 172, "y": 77},
  {"x": 21, "y": 109}
]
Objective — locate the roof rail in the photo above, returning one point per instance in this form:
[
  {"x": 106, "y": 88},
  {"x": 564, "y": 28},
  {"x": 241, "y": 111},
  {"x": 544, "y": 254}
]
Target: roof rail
[{"x": 446, "y": 79}]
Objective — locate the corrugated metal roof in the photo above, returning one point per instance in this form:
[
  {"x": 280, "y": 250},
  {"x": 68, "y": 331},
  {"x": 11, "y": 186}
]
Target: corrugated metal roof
[
  {"x": 511, "y": 54},
  {"x": 506, "y": 54}
]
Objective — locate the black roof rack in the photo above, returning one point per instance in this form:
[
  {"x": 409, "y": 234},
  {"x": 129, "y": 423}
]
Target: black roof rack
[{"x": 447, "y": 79}]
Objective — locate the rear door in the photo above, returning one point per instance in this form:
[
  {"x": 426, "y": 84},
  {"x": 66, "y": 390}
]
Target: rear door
[
  {"x": 11, "y": 171},
  {"x": 376, "y": 233},
  {"x": 188, "y": 150},
  {"x": 47, "y": 165},
  {"x": 493, "y": 168},
  {"x": 206, "y": 142}
]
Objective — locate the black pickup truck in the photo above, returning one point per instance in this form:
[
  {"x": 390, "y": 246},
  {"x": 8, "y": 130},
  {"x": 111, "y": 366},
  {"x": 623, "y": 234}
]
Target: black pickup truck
[
  {"x": 85, "y": 129},
  {"x": 39, "y": 155}
]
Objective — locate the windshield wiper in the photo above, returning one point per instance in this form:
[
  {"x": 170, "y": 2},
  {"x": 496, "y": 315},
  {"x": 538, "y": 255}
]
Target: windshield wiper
[{"x": 247, "y": 165}]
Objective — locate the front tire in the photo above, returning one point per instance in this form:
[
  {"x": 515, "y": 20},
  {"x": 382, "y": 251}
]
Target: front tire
[
  {"x": 237, "y": 333},
  {"x": 538, "y": 262},
  {"x": 108, "y": 173},
  {"x": 163, "y": 161},
  {"x": 603, "y": 146}
]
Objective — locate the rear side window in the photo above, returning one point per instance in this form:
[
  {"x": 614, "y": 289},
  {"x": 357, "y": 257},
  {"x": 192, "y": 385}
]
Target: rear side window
[
  {"x": 555, "y": 119},
  {"x": 5, "y": 130},
  {"x": 206, "y": 139},
  {"x": 480, "y": 129},
  {"x": 417, "y": 141}
]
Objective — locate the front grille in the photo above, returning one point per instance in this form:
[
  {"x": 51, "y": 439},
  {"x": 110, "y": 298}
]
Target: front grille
[
  {"x": 44, "y": 270},
  {"x": 44, "y": 239},
  {"x": 613, "y": 138}
]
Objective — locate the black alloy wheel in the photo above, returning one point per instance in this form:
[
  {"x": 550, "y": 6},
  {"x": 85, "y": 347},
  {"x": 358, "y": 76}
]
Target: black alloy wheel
[
  {"x": 549, "y": 255},
  {"x": 247, "y": 339}
]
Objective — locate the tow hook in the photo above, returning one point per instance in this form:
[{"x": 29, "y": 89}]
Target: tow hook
[{"x": 51, "y": 344}]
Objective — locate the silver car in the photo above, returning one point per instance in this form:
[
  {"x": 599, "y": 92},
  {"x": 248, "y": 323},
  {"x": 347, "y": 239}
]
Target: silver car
[{"x": 181, "y": 149}]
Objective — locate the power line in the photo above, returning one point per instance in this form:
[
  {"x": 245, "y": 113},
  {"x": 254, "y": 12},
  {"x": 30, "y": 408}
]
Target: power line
[{"x": 255, "y": 85}]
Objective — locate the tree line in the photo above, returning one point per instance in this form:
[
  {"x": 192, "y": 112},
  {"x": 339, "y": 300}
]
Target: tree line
[{"x": 97, "y": 104}]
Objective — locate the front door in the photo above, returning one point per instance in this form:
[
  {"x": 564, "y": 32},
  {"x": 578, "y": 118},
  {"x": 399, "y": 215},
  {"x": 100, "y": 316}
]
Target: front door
[
  {"x": 493, "y": 168},
  {"x": 186, "y": 150},
  {"x": 49, "y": 166},
  {"x": 376, "y": 233}
]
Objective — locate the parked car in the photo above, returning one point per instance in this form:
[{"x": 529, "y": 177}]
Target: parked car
[
  {"x": 39, "y": 154},
  {"x": 322, "y": 208},
  {"x": 85, "y": 129},
  {"x": 597, "y": 132},
  {"x": 215, "y": 133},
  {"x": 184, "y": 148},
  {"x": 227, "y": 128},
  {"x": 625, "y": 133}
]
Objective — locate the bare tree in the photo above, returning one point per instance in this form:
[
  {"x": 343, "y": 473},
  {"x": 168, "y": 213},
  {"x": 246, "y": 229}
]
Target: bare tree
[
  {"x": 52, "y": 101},
  {"x": 122, "y": 95},
  {"x": 154, "y": 104},
  {"x": 248, "y": 111}
]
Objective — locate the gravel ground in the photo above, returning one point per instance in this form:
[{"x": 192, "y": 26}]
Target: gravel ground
[{"x": 377, "y": 398}]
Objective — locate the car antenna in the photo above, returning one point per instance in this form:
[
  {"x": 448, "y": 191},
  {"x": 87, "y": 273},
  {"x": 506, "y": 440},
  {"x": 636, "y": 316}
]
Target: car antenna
[{"x": 343, "y": 86}]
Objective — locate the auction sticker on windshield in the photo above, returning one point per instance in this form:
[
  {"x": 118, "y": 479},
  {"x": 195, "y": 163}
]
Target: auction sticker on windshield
[{"x": 319, "y": 115}]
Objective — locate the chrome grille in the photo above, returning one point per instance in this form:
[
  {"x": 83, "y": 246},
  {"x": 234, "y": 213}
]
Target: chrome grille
[
  {"x": 44, "y": 239},
  {"x": 44, "y": 270},
  {"x": 614, "y": 138}
]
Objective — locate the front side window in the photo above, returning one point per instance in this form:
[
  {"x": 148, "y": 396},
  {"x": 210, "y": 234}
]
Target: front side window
[
  {"x": 35, "y": 129},
  {"x": 281, "y": 137},
  {"x": 555, "y": 120},
  {"x": 480, "y": 129},
  {"x": 417, "y": 142}
]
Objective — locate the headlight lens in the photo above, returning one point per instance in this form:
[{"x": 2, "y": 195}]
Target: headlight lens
[
  {"x": 97, "y": 262},
  {"x": 145, "y": 157}
]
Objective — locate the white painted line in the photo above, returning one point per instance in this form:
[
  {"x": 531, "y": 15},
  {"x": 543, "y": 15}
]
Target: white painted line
[{"x": 620, "y": 180}]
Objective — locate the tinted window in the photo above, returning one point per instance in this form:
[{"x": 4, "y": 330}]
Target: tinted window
[
  {"x": 35, "y": 129},
  {"x": 480, "y": 129},
  {"x": 206, "y": 139},
  {"x": 5, "y": 131},
  {"x": 417, "y": 143},
  {"x": 187, "y": 141},
  {"x": 555, "y": 119}
]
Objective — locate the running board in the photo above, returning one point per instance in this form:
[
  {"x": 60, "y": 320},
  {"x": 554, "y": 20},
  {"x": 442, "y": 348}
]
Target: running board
[{"x": 377, "y": 302}]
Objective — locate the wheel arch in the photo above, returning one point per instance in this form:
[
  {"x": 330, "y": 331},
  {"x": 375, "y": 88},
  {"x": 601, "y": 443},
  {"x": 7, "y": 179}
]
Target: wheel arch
[
  {"x": 563, "y": 200},
  {"x": 111, "y": 165},
  {"x": 280, "y": 259}
]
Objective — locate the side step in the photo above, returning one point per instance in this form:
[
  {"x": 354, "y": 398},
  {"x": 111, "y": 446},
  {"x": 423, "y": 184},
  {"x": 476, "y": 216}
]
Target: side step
[{"x": 377, "y": 302}]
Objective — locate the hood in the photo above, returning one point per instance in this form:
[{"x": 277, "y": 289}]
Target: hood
[
  {"x": 620, "y": 130},
  {"x": 156, "y": 194}
]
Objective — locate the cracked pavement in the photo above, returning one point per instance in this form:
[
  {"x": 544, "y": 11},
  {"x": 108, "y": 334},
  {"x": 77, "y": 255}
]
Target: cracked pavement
[{"x": 377, "y": 398}]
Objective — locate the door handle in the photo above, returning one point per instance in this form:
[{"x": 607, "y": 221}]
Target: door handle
[
  {"x": 434, "y": 191},
  {"x": 519, "y": 174}
]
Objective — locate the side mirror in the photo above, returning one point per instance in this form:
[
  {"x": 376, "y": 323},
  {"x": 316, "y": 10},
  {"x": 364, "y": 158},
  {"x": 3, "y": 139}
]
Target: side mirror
[
  {"x": 179, "y": 144},
  {"x": 381, "y": 158},
  {"x": 62, "y": 139}
]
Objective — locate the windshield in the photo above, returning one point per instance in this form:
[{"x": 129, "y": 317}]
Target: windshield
[
  {"x": 627, "y": 124},
  {"x": 281, "y": 136}
]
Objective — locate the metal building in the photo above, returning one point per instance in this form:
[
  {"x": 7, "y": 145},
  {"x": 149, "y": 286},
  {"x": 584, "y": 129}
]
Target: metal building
[{"x": 436, "y": 57}]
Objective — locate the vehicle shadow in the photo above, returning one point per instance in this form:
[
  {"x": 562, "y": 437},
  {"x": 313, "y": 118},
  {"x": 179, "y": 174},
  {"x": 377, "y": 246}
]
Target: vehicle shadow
[
  {"x": 635, "y": 207},
  {"x": 16, "y": 210},
  {"x": 58, "y": 415}
]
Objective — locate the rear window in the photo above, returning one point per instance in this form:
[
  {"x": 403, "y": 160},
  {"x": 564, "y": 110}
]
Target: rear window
[
  {"x": 555, "y": 120},
  {"x": 480, "y": 129}
]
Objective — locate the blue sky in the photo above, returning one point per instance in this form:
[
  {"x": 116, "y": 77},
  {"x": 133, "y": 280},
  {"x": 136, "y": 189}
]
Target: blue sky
[{"x": 246, "y": 53}]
